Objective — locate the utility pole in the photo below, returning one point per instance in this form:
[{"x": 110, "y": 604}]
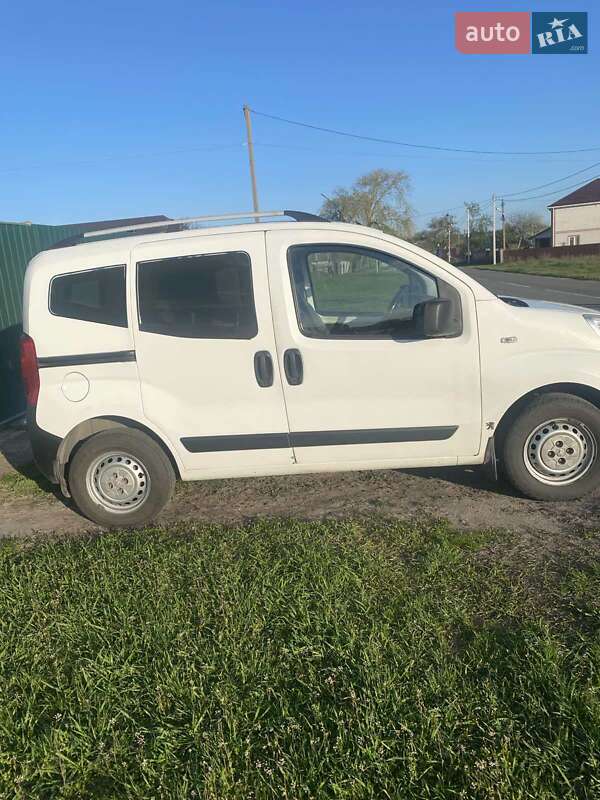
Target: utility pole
[
  {"x": 494, "y": 229},
  {"x": 503, "y": 227},
  {"x": 449, "y": 242},
  {"x": 468, "y": 235},
  {"x": 251, "y": 157}
]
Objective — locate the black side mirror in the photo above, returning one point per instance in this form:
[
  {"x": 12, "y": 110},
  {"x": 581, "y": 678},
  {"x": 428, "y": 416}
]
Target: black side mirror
[{"x": 434, "y": 318}]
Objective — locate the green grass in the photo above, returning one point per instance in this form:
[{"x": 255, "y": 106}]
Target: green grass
[
  {"x": 28, "y": 482},
  {"x": 586, "y": 267},
  {"x": 295, "y": 660},
  {"x": 360, "y": 291}
]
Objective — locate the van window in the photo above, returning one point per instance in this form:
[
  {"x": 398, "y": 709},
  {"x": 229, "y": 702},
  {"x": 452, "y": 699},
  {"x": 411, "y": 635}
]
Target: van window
[
  {"x": 93, "y": 295},
  {"x": 198, "y": 297},
  {"x": 343, "y": 291}
]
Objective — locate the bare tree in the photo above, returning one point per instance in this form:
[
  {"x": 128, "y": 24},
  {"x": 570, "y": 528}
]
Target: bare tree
[
  {"x": 377, "y": 200},
  {"x": 521, "y": 226}
]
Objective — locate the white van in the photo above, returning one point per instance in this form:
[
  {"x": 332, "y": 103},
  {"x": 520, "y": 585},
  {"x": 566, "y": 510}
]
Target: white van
[{"x": 287, "y": 347}]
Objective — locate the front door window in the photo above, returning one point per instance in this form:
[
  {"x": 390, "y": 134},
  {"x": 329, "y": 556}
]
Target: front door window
[{"x": 351, "y": 292}]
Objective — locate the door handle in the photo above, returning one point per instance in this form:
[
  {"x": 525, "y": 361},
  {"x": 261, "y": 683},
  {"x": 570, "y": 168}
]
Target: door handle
[
  {"x": 263, "y": 368},
  {"x": 294, "y": 369}
]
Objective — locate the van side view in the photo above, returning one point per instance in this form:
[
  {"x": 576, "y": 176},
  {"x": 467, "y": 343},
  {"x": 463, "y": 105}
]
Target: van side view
[{"x": 283, "y": 347}]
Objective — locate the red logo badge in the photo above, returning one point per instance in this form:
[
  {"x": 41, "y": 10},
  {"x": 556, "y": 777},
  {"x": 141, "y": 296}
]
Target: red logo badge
[{"x": 493, "y": 32}]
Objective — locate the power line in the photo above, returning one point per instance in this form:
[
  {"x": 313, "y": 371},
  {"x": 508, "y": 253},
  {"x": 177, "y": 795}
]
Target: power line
[
  {"x": 551, "y": 183},
  {"x": 482, "y": 207},
  {"x": 545, "y": 194},
  {"x": 514, "y": 195},
  {"x": 403, "y": 156},
  {"x": 514, "y": 199},
  {"x": 125, "y": 156},
  {"x": 441, "y": 212},
  {"x": 422, "y": 146}
]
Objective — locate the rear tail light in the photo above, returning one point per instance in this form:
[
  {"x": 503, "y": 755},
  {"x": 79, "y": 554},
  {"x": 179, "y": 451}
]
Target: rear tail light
[{"x": 29, "y": 370}]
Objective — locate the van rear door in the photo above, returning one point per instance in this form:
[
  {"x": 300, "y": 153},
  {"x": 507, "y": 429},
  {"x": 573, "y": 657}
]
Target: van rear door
[{"x": 206, "y": 354}]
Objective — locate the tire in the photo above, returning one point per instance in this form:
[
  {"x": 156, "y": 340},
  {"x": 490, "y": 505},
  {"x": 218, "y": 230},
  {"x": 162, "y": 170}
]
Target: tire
[
  {"x": 552, "y": 448},
  {"x": 121, "y": 478}
]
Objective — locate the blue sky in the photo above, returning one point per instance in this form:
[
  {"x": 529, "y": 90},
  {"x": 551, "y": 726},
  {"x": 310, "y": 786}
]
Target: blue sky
[{"x": 127, "y": 108}]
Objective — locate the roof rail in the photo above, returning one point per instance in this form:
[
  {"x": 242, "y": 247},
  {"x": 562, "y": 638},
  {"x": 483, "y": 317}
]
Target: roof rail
[{"x": 299, "y": 216}]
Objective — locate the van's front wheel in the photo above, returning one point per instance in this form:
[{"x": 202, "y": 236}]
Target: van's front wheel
[
  {"x": 552, "y": 450},
  {"x": 121, "y": 478}
]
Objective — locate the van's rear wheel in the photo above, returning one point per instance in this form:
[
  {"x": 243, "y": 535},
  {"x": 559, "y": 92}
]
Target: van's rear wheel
[
  {"x": 552, "y": 450},
  {"x": 121, "y": 478}
]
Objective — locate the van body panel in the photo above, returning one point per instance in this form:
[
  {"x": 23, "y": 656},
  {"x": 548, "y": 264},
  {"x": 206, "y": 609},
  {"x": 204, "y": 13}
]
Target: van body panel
[{"x": 524, "y": 349}]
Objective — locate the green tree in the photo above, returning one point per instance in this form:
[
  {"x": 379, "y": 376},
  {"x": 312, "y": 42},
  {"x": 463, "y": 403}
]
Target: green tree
[
  {"x": 378, "y": 199},
  {"x": 481, "y": 228},
  {"x": 435, "y": 236}
]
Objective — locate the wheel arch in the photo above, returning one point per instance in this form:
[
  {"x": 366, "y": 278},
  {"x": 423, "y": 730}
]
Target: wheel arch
[
  {"x": 581, "y": 390},
  {"x": 89, "y": 427}
]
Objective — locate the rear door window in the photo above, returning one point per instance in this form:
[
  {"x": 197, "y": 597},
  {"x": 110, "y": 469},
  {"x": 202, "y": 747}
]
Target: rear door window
[
  {"x": 198, "y": 297},
  {"x": 93, "y": 295}
]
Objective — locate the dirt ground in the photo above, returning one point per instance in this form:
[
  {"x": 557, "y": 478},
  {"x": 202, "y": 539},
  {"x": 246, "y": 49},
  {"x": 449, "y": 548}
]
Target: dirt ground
[{"x": 467, "y": 497}]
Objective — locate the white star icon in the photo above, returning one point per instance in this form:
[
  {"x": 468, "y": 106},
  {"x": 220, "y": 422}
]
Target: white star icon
[{"x": 557, "y": 23}]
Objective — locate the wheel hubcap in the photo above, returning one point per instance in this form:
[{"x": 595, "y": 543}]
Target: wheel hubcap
[
  {"x": 559, "y": 451},
  {"x": 118, "y": 482}
]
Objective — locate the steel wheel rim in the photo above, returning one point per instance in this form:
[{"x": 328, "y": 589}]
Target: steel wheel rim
[
  {"x": 118, "y": 482},
  {"x": 559, "y": 451}
]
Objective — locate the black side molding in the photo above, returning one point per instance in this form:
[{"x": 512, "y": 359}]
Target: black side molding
[
  {"x": 250, "y": 441},
  {"x": 371, "y": 436},
  {"x": 87, "y": 358},
  {"x": 266, "y": 441}
]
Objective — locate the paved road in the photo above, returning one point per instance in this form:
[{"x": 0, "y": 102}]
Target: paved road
[{"x": 539, "y": 287}]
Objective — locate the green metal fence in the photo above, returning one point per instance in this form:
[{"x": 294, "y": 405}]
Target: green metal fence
[{"x": 18, "y": 244}]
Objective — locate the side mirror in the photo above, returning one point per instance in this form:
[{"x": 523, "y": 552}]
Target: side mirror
[{"x": 434, "y": 318}]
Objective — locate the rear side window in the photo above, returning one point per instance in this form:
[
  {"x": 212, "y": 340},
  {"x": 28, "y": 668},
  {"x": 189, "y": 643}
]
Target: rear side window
[
  {"x": 199, "y": 297},
  {"x": 94, "y": 295}
]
